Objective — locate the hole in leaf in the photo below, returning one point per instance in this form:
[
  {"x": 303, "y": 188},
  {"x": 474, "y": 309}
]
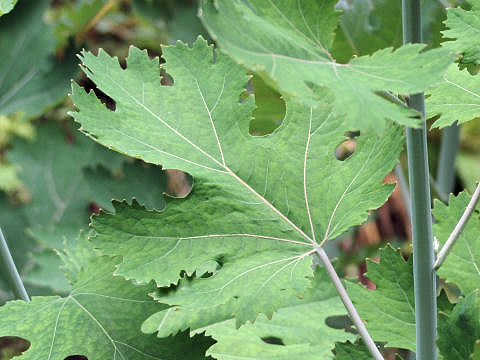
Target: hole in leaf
[
  {"x": 166, "y": 78},
  {"x": 207, "y": 269},
  {"x": 11, "y": 346},
  {"x": 93, "y": 208},
  {"x": 179, "y": 183},
  {"x": 270, "y": 110},
  {"x": 88, "y": 85},
  {"x": 76, "y": 357},
  {"x": 273, "y": 340},
  {"x": 345, "y": 149}
]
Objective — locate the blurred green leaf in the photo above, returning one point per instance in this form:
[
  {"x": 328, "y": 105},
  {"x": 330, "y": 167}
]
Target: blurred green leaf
[
  {"x": 459, "y": 330},
  {"x": 28, "y": 86}
]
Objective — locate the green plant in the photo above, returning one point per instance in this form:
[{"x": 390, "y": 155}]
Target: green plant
[{"x": 241, "y": 258}]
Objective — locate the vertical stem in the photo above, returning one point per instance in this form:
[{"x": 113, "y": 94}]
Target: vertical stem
[
  {"x": 446, "y": 162},
  {"x": 402, "y": 183},
  {"x": 11, "y": 271},
  {"x": 421, "y": 218}
]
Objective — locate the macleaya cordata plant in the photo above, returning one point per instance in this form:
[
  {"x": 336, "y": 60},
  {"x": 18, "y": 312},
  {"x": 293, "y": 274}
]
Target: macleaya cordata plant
[{"x": 237, "y": 259}]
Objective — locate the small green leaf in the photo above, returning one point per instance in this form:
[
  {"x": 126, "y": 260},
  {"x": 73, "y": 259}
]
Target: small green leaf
[
  {"x": 461, "y": 266},
  {"x": 389, "y": 311},
  {"x": 459, "y": 330},
  {"x": 464, "y": 27},
  {"x": 457, "y": 98},
  {"x": 349, "y": 351}
]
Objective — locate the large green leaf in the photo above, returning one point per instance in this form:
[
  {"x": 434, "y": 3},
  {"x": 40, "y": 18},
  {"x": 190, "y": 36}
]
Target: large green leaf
[
  {"x": 287, "y": 37},
  {"x": 389, "y": 311},
  {"x": 459, "y": 330},
  {"x": 259, "y": 205},
  {"x": 463, "y": 27},
  {"x": 457, "y": 98},
  {"x": 99, "y": 319},
  {"x": 461, "y": 265},
  {"x": 299, "y": 325},
  {"x": 26, "y": 85}
]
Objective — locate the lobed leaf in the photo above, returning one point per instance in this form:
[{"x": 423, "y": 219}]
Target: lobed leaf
[
  {"x": 459, "y": 330},
  {"x": 461, "y": 265},
  {"x": 457, "y": 98},
  {"x": 389, "y": 311},
  {"x": 282, "y": 37},
  {"x": 259, "y": 206},
  {"x": 463, "y": 28}
]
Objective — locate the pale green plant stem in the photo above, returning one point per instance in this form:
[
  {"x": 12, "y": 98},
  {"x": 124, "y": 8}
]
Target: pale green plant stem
[
  {"x": 12, "y": 275},
  {"x": 443, "y": 253},
  {"x": 402, "y": 183},
  {"x": 357, "y": 321},
  {"x": 446, "y": 162},
  {"x": 421, "y": 218}
]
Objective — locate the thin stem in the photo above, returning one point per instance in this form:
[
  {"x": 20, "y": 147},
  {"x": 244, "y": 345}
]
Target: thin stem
[
  {"x": 101, "y": 13},
  {"x": 441, "y": 195},
  {"x": 446, "y": 162},
  {"x": 362, "y": 330},
  {"x": 11, "y": 271},
  {"x": 421, "y": 218},
  {"x": 389, "y": 96},
  {"x": 442, "y": 255},
  {"x": 402, "y": 183}
]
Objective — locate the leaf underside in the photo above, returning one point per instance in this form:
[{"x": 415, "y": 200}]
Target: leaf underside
[{"x": 251, "y": 209}]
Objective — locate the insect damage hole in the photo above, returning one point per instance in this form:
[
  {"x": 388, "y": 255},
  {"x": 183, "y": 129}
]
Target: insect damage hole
[
  {"x": 346, "y": 148},
  {"x": 179, "y": 183},
  {"x": 273, "y": 340},
  {"x": 13, "y": 345},
  {"x": 76, "y": 357},
  {"x": 270, "y": 107}
]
